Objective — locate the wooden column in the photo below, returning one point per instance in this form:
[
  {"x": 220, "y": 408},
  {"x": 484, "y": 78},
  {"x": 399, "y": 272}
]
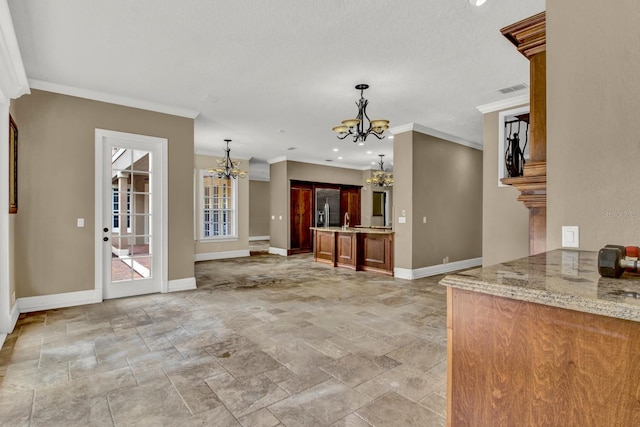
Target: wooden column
[{"x": 529, "y": 37}]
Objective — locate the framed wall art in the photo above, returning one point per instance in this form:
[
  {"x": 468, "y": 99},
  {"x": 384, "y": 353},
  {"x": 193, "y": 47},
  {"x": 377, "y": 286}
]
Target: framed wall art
[{"x": 13, "y": 166}]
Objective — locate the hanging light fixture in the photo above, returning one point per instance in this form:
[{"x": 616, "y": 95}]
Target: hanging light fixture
[
  {"x": 227, "y": 168},
  {"x": 357, "y": 127},
  {"x": 380, "y": 178}
]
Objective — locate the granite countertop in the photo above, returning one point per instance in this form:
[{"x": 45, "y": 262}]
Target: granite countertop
[
  {"x": 560, "y": 278},
  {"x": 354, "y": 230}
]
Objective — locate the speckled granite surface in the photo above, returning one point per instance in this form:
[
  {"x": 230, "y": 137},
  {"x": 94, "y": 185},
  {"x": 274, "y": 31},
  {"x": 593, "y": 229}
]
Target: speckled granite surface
[
  {"x": 354, "y": 230},
  {"x": 560, "y": 278}
]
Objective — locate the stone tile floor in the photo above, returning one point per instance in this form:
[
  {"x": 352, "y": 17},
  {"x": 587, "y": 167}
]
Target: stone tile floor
[{"x": 264, "y": 341}]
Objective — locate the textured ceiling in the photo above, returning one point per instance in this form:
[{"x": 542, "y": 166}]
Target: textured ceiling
[{"x": 272, "y": 75}]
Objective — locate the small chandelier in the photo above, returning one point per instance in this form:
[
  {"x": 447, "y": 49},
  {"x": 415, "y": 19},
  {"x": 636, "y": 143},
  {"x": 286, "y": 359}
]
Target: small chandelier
[
  {"x": 227, "y": 168},
  {"x": 380, "y": 178},
  {"x": 357, "y": 127}
]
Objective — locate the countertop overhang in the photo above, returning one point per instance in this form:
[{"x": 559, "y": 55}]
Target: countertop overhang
[
  {"x": 560, "y": 278},
  {"x": 368, "y": 230}
]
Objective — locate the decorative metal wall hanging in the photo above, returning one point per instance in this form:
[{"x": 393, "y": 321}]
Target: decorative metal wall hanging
[{"x": 517, "y": 137}]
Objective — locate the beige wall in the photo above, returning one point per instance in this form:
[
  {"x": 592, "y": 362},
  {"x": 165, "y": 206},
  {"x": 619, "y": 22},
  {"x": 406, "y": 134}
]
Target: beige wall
[
  {"x": 505, "y": 221},
  {"x": 56, "y": 178},
  {"x": 441, "y": 181},
  {"x": 202, "y": 246},
  {"x": 404, "y": 183},
  {"x": 279, "y": 206},
  {"x": 593, "y": 105},
  {"x": 325, "y": 174},
  {"x": 259, "y": 212},
  {"x": 282, "y": 173}
]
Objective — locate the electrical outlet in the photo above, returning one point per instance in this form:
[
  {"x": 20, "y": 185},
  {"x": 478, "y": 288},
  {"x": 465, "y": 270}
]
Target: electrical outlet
[
  {"x": 570, "y": 236},
  {"x": 445, "y": 260},
  {"x": 424, "y": 219}
]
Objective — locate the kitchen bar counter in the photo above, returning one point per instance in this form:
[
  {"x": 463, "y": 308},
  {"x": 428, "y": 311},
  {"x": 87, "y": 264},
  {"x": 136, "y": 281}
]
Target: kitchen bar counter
[
  {"x": 561, "y": 278},
  {"x": 372, "y": 230},
  {"x": 543, "y": 340},
  {"x": 356, "y": 248}
]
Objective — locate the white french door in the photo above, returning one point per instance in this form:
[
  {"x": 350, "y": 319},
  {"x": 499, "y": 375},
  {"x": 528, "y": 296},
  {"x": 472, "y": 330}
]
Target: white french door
[{"x": 130, "y": 253}]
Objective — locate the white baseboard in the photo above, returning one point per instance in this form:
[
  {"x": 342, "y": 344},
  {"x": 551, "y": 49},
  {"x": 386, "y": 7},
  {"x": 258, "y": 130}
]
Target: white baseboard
[
  {"x": 13, "y": 317},
  {"x": 434, "y": 270},
  {"x": 67, "y": 299},
  {"x": 254, "y": 238},
  {"x": 278, "y": 251},
  {"x": 187, "y": 284},
  {"x": 221, "y": 255}
]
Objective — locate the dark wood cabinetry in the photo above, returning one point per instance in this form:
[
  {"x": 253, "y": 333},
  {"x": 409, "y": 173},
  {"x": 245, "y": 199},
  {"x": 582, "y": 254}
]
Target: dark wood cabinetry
[
  {"x": 355, "y": 248},
  {"x": 303, "y": 208},
  {"x": 350, "y": 202},
  {"x": 301, "y": 218},
  {"x": 377, "y": 254},
  {"x": 347, "y": 250}
]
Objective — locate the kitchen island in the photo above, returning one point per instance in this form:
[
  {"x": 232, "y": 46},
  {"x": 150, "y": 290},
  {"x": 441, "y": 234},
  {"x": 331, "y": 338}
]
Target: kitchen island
[
  {"x": 543, "y": 340},
  {"x": 357, "y": 248}
]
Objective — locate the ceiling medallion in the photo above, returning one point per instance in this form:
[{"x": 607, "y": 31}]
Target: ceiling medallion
[{"x": 357, "y": 127}]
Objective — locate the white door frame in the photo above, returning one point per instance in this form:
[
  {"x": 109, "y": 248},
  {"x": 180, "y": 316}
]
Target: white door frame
[
  {"x": 162, "y": 258},
  {"x": 6, "y": 323}
]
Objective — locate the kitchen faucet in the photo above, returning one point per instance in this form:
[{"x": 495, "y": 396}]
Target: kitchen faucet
[{"x": 346, "y": 220}]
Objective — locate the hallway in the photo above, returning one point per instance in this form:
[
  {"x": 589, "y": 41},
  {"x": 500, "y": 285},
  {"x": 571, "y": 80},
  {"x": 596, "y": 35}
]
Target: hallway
[{"x": 264, "y": 341}]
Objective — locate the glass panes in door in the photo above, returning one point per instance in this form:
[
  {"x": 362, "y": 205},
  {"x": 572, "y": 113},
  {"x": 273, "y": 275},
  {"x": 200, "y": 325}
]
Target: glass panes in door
[{"x": 131, "y": 215}]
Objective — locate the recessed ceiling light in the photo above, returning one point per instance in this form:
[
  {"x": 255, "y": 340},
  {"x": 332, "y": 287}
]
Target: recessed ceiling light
[
  {"x": 335, "y": 149},
  {"x": 477, "y": 2},
  {"x": 368, "y": 152},
  {"x": 373, "y": 163},
  {"x": 390, "y": 137},
  {"x": 339, "y": 157},
  {"x": 360, "y": 143}
]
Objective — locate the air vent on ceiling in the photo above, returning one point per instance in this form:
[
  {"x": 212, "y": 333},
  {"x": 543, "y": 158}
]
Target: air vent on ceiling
[
  {"x": 291, "y": 148},
  {"x": 328, "y": 160},
  {"x": 515, "y": 88}
]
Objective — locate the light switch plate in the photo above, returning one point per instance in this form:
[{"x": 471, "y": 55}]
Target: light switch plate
[
  {"x": 80, "y": 222},
  {"x": 402, "y": 220},
  {"x": 570, "y": 236}
]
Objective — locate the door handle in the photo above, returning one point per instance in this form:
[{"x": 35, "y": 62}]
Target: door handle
[{"x": 105, "y": 239}]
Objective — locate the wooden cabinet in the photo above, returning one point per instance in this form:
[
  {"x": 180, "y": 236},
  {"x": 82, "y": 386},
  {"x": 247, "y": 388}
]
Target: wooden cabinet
[
  {"x": 350, "y": 202},
  {"x": 303, "y": 211},
  {"x": 355, "y": 249},
  {"x": 377, "y": 252},
  {"x": 517, "y": 363},
  {"x": 324, "y": 244},
  {"x": 301, "y": 218},
  {"x": 347, "y": 250}
]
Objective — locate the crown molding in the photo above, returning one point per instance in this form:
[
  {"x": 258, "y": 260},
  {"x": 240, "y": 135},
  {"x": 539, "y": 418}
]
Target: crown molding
[
  {"x": 416, "y": 127},
  {"x": 319, "y": 163},
  {"x": 504, "y": 104},
  {"x": 113, "y": 99},
  {"x": 277, "y": 160},
  {"x": 13, "y": 78}
]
